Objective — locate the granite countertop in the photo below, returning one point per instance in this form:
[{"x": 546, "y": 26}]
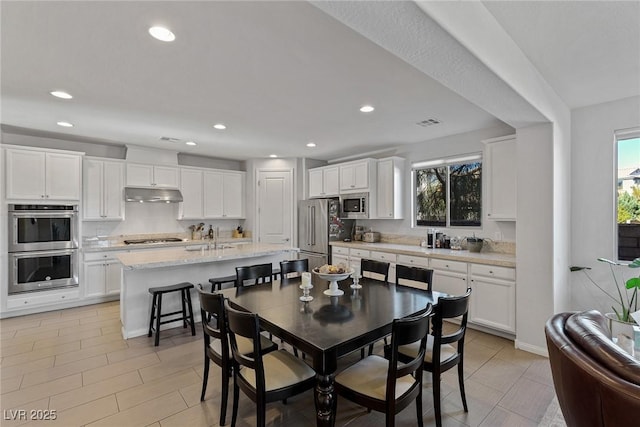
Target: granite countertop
[
  {"x": 490, "y": 258},
  {"x": 138, "y": 260},
  {"x": 118, "y": 245}
]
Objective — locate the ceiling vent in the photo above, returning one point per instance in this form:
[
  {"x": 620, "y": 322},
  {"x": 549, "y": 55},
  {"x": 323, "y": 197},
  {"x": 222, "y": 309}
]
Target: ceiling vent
[
  {"x": 169, "y": 139},
  {"x": 428, "y": 122}
]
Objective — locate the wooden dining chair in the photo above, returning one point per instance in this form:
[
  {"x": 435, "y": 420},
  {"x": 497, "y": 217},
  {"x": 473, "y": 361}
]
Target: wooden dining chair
[
  {"x": 216, "y": 344},
  {"x": 377, "y": 270},
  {"x": 297, "y": 266},
  {"x": 389, "y": 385},
  {"x": 416, "y": 277},
  {"x": 259, "y": 273},
  {"x": 264, "y": 378},
  {"x": 443, "y": 351}
]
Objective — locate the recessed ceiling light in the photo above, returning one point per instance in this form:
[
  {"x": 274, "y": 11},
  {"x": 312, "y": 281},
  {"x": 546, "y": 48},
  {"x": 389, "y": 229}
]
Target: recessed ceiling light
[
  {"x": 190, "y": 143},
  {"x": 311, "y": 144},
  {"x": 367, "y": 108},
  {"x": 162, "y": 34},
  {"x": 273, "y": 156},
  {"x": 65, "y": 124},
  {"x": 61, "y": 94},
  {"x": 219, "y": 126}
]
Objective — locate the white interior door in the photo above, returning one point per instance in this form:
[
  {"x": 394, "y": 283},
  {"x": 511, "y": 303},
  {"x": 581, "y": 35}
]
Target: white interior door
[{"x": 275, "y": 206}]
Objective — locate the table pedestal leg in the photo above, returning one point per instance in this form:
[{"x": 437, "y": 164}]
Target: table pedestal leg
[{"x": 325, "y": 398}]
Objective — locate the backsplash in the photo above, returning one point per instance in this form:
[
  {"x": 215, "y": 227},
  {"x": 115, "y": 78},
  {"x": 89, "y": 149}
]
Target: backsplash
[
  {"x": 489, "y": 244},
  {"x": 152, "y": 219}
]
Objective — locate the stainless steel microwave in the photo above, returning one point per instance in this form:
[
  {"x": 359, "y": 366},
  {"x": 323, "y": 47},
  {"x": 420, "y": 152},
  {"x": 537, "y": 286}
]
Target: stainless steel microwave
[{"x": 355, "y": 206}]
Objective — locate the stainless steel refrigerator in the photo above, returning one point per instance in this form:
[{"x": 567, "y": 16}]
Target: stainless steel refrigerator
[{"x": 319, "y": 223}]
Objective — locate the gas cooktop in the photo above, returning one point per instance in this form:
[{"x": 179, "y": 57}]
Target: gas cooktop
[{"x": 157, "y": 240}]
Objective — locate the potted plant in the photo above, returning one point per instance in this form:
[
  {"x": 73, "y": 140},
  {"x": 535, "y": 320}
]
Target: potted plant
[{"x": 626, "y": 300}]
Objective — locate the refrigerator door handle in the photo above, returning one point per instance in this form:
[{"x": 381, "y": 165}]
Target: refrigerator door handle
[
  {"x": 313, "y": 226},
  {"x": 310, "y": 224}
]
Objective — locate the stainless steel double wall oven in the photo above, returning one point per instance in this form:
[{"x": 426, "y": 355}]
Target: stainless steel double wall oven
[{"x": 43, "y": 247}]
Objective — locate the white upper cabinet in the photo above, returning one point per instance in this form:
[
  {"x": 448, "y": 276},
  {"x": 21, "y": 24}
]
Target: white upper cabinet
[
  {"x": 212, "y": 194},
  {"x": 102, "y": 190},
  {"x": 357, "y": 176},
  {"x": 500, "y": 171},
  {"x": 191, "y": 188},
  {"x": 142, "y": 175},
  {"x": 233, "y": 195},
  {"x": 324, "y": 182},
  {"x": 42, "y": 175},
  {"x": 389, "y": 188}
]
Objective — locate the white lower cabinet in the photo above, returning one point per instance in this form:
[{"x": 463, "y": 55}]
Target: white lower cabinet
[
  {"x": 449, "y": 276},
  {"x": 102, "y": 274},
  {"x": 493, "y": 303}
]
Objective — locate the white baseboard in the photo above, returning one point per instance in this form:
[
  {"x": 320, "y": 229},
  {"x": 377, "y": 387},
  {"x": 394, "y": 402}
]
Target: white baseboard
[
  {"x": 540, "y": 351},
  {"x": 58, "y": 306}
]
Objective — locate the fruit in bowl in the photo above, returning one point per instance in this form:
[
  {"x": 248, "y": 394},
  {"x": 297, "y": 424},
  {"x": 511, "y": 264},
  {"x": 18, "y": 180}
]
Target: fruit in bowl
[{"x": 331, "y": 269}]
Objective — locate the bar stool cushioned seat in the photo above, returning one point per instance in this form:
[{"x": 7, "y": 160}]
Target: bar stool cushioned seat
[{"x": 156, "y": 308}]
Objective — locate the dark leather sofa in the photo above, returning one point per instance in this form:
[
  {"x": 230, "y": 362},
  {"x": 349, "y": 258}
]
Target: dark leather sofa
[{"x": 597, "y": 383}]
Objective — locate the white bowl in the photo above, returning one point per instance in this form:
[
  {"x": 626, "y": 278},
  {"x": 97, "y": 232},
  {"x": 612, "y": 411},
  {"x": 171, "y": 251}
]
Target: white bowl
[{"x": 333, "y": 277}]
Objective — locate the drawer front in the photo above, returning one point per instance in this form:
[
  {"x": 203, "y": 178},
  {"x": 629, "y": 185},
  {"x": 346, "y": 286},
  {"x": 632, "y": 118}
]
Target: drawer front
[
  {"x": 446, "y": 265},
  {"x": 504, "y": 273},
  {"x": 340, "y": 250},
  {"x": 48, "y": 298},
  {"x": 383, "y": 256},
  {"x": 360, "y": 253},
  {"x": 102, "y": 256},
  {"x": 415, "y": 261}
]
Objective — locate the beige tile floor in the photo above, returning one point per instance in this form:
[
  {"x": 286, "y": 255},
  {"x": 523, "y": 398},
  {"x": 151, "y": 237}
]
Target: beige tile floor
[{"x": 75, "y": 362}]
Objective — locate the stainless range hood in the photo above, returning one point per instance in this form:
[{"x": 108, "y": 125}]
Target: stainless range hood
[{"x": 152, "y": 195}]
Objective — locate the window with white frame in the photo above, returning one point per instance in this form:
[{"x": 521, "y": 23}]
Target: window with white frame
[
  {"x": 628, "y": 194},
  {"x": 448, "y": 192}
]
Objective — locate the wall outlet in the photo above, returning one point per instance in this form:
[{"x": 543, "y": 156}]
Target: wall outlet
[{"x": 497, "y": 236}]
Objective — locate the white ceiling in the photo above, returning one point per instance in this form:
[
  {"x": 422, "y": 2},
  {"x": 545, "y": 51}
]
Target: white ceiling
[
  {"x": 588, "y": 51},
  {"x": 278, "y": 74}
]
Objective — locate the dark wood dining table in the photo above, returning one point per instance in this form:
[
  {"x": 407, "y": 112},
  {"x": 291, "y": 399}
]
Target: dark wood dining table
[{"x": 327, "y": 328}]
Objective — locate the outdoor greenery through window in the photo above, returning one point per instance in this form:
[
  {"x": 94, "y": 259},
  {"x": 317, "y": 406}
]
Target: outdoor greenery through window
[
  {"x": 448, "y": 193},
  {"x": 628, "y": 195}
]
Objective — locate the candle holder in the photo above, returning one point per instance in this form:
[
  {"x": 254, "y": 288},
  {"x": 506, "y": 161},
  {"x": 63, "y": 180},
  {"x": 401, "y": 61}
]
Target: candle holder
[
  {"x": 356, "y": 282},
  {"x": 306, "y": 287}
]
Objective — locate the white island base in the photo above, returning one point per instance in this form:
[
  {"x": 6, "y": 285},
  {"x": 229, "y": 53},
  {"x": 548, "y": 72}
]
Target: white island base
[{"x": 162, "y": 268}]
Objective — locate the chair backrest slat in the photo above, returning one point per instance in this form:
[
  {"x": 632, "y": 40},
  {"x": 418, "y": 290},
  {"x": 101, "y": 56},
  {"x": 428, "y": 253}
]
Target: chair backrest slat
[
  {"x": 378, "y": 270},
  {"x": 293, "y": 266},
  {"x": 414, "y": 276},
  {"x": 258, "y": 273}
]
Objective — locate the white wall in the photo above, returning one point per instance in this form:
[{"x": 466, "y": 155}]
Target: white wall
[
  {"x": 465, "y": 143},
  {"x": 592, "y": 201},
  {"x": 534, "y": 258}
]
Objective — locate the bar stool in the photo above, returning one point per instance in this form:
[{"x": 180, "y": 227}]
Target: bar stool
[
  {"x": 156, "y": 308},
  {"x": 217, "y": 282}
]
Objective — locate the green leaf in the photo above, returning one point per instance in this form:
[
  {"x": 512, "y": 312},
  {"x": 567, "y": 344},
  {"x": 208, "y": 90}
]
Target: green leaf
[
  {"x": 634, "y": 282},
  {"x": 577, "y": 268},
  {"x": 635, "y": 263}
]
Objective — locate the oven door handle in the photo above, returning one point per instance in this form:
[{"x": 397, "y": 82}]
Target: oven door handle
[
  {"x": 33, "y": 254},
  {"x": 49, "y": 214}
]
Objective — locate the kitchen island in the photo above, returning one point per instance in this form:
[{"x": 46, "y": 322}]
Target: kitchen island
[{"x": 150, "y": 268}]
